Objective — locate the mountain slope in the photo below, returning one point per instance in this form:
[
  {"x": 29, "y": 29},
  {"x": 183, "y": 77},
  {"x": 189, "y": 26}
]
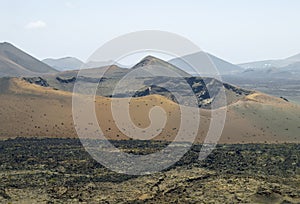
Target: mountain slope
[
  {"x": 201, "y": 60},
  {"x": 63, "y": 64},
  {"x": 286, "y": 69},
  {"x": 15, "y": 62},
  {"x": 279, "y": 78},
  {"x": 149, "y": 76},
  {"x": 160, "y": 67},
  {"x": 147, "y": 67},
  {"x": 36, "y": 111}
]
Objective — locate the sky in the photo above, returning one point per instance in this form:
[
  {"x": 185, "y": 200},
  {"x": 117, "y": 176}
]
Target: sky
[{"x": 235, "y": 30}]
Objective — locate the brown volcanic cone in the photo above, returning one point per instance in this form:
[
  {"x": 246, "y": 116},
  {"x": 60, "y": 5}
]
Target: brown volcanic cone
[{"x": 29, "y": 110}]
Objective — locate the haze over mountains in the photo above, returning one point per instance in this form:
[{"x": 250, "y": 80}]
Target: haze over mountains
[
  {"x": 281, "y": 80},
  {"x": 72, "y": 63},
  {"x": 203, "y": 61},
  {"x": 272, "y": 63},
  {"x": 207, "y": 65},
  {"x": 15, "y": 62},
  {"x": 149, "y": 76},
  {"x": 41, "y": 106},
  {"x": 200, "y": 60},
  {"x": 64, "y": 64},
  {"x": 288, "y": 68}
]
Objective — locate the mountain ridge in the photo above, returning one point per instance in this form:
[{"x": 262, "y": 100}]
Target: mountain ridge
[
  {"x": 158, "y": 66},
  {"x": 277, "y": 63},
  {"x": 64, "y": 63},
  {"x": 15, "y": 62},
  {"x": 203, "y": 61}
]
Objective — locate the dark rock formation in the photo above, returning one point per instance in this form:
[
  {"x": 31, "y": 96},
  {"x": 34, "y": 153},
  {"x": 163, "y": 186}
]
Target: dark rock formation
[
  {"x": 66, "y": 80},
  {"x": 37, "y": 80}
]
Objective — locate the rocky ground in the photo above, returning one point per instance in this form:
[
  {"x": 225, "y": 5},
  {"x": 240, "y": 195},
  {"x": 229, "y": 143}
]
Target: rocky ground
[{"x": 61, "y": 171}]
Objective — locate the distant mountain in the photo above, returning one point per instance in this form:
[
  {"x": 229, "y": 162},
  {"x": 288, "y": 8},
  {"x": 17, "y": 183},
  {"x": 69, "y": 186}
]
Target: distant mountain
[
  {"x": 149, "y": 67},
  {"x": 152, "y": 64},
  {"x": 279, "y": 78},
  {"x": 295, "y": 58},
  {"x": 264, "y": 64},
  {"x": 63, "y": 64},
  {"x": 268, "y": 73},
  {"x": 202, "y": 61},
  {"x": 15, "y": 62},
  {"x": 149, "y": 76},
  {"x": 271, "y": 63},
  {"x": 288, "y": 68},
  {"x": 72, "y": 63}
]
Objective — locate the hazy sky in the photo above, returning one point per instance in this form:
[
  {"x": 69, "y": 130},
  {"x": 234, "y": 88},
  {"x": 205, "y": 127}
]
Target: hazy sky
[{"x": 237, "y": 31}]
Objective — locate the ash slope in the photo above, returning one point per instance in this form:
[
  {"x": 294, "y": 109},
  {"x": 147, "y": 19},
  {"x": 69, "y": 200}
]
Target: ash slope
[
  {"x": 15, "y": 62},
  {"x": 30, "y": 110}
]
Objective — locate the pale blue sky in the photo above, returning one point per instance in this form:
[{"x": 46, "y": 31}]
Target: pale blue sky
[{"x": 237, "y": 31}]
